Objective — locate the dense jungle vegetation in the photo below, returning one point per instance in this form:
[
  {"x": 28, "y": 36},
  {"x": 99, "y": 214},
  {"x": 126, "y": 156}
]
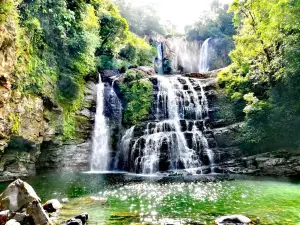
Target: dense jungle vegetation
[
  {"x": 263, "y": 80},
  {"x": 218, "y": 25},
  {"x": 60, "y": 43}
]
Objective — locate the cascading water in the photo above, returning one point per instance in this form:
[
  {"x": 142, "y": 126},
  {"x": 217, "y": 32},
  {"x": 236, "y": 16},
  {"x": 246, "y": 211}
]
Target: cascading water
[
  {"x": 100, "y": 151},
  {"x": 160, "y": 57},
  {"x": 175, "y": 140},
  {"x": 204, "y": 56}
]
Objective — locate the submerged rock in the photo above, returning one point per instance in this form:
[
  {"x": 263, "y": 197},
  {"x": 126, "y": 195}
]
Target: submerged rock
[
  {"x": 74, "y": 221},
  {"x": 78, "y": 220},
  {"x": 233, "y": 220},
  {"x": 17, "y": 195},
  {"x": 83, "y": 217}
]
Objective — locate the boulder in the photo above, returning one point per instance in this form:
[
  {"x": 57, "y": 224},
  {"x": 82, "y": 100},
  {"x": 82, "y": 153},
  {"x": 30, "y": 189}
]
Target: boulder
[
  {"x": 204, "y": 75},
  {"x": 65, "y": 200},
  {"x": 52, "y": 205},
  {"x": 147, "y": 69},
  {"x": 74, "y": 221},
  {"x": 36, "y": 211},
  {"x": 12, "y": 222},
  {"x": 83, "y": 217},
  {"x": 78, "y": 220},
  {"x": 233, "y": 220},
  {"x": 17, "y": 196}
]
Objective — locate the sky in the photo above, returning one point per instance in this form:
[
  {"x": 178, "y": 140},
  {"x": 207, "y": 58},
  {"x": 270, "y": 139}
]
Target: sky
[{"x": 179, "y": 12}]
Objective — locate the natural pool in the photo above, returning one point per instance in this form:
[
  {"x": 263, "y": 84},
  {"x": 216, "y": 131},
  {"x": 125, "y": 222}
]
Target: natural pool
[{"x": 130, "y": 199}]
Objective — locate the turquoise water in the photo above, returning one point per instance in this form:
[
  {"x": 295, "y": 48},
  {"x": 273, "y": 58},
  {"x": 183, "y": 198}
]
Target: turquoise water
[{"x": 127, "y": 199}]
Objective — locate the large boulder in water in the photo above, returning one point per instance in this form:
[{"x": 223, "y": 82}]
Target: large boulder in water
[
  {"x": 20, "y": 195},
  {"x": 17, "y": 196},
  {"x": 233, "y": 220}
]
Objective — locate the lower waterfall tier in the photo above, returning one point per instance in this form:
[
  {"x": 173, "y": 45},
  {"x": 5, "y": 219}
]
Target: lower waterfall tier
[{"x": 177, "y": 135}]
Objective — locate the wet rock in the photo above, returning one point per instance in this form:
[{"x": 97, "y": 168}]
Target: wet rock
[
  {"x": 52, "y": 205},
  {"x": 74, "y": 221},
  {"x": 204, "y": 75},
  {"x": 12, "y": 222},
  {"x": 107, "y": 74},
  {"x": 227, "y": 136},
  {"x": 36, "y": 211},
  {"x": 17, "y": 195},
  {"x": 233, "y": 220},
  {"x": 72, "y": 157}
]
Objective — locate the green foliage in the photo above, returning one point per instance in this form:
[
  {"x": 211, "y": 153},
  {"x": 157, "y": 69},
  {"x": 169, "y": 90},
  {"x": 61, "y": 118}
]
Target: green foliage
[
  {"x": 128, "y": 52},
  {"x": 6, "y": 7},
  {"x": 15, "y": 119},
  {"x": 60, "y": 42},
  {"x": 119, "y": 47},
  {"x": 138, "y": 95},
  {"x": 219, "y": 26},
  {"x": 143, "y": 21},
  {"x": 265, "y": 72},
  {"x": 229, "y": 110},
  {"x": 106, "y": 62}
]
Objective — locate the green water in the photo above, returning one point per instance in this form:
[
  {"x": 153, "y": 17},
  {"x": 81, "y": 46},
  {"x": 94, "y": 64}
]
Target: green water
[{"x": 125, "y": 199}]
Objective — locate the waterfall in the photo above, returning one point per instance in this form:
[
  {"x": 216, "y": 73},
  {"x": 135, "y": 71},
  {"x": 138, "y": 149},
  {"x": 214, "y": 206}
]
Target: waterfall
[
  {"x": 160, "y": 57},
  {"x": 125, "y": 145},
  {"x": 204, "y": 54},
  {"x": 175, "y": 139},
  {"x": 185, "y": 54},
  {"x": 100, "y": 151}
]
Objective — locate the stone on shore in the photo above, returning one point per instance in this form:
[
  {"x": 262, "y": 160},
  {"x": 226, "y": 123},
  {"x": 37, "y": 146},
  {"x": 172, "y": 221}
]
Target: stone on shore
[
  {"x": 233, "y": 220},
  {"x": 52, "y": 206}
]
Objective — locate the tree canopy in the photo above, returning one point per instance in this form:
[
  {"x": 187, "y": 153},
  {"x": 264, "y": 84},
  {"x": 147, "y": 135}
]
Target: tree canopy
[{"x": 264, "y": 75}]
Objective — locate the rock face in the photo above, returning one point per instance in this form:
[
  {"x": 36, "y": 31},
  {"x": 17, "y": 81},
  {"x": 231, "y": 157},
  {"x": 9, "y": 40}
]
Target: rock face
[
  {"x": 282, "y": 163},
  {"x": 29, "y": 121},
  {"x": 73, "y": 155},
  {"x": 30, "y": 136}
]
